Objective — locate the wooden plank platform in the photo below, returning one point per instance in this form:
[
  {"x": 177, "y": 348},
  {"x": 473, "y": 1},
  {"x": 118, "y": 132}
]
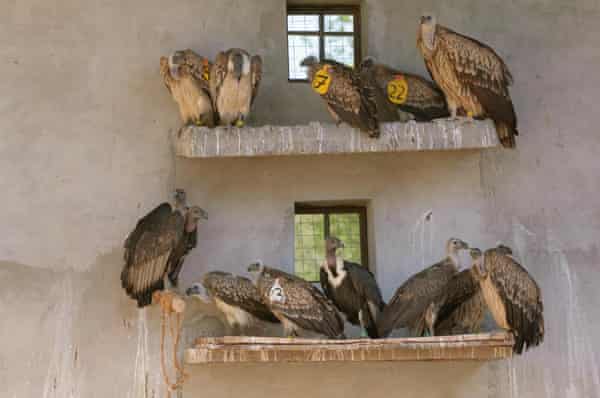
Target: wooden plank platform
[{"x": 479, "y": 347}]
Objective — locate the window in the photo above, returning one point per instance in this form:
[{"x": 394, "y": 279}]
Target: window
[
  {"x": 325, "y": 32},
  {"x": 313, "y": 224}
]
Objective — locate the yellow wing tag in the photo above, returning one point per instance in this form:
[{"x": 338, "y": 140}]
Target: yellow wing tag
[
  {"x": 322, "y": 80},
  {"x": 205, "y": 70},
  {"x": 397, "y": 90}
]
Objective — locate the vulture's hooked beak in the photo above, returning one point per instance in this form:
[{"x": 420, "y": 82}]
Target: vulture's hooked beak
[{"x": 194, "y": 290}]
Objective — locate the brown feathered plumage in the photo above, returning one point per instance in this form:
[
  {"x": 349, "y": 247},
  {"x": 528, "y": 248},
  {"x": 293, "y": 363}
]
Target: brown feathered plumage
[
  {"x": 347, "y": 99},
  {"x": 297, "y": 303},
  {"x": 234, "y": 81},
  {"x": 406, "y": 307},
  {"x": 156, "y": 248},
  {"x": 512, "y": 296},
  {"x": 184, "y": 76},
  {"x": 415, "y": 95},
  {"x": 459, "y": 307},
  {"x": 236, "y": 297},
  {"x": 473, "y": 77}
]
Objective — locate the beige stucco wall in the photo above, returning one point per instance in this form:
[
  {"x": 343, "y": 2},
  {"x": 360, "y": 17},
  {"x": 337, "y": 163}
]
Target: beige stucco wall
[{"x": 84, "y": 121}]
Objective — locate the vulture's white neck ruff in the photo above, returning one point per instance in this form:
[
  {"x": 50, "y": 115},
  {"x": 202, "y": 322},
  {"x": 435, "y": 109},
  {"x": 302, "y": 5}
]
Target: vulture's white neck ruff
[
  {"x": 428, "y": 34},
  {"x": 336, "y": 281}
]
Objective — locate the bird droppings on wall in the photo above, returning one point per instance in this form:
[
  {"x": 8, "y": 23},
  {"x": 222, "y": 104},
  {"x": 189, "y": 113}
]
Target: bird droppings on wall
[
  {"x": 146, "y": 370},
  {"x": 61, "y": 377},
  {"x": 422, "y": 237}
]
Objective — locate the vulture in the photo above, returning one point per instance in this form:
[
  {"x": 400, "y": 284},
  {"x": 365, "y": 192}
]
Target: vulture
[
  {"x": 234, "y": 296},
  {"x": 473, "y": 77},
  {"x": 157, "y": 247},
  {"x": 296, "y": 303},
  {"x": 185, "y": 74},
  {"x": 411, "y": 299},
  {"x": 459, "y": 308},
  {"x": 512, "y": 296},
  {"x": 234, "y": 80},
  {"x": 352, "y": 288},
  {"x": 407, "y": 92},
  {"x": 348, "y": 99}
]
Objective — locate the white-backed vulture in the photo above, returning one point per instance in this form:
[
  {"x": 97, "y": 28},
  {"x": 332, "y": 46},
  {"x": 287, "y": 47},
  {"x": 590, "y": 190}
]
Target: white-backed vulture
[
  {"x": 407, "y": 92},
  {"x": 512, "y": 296},
  {"x": 296, "y": 303},
  {"x": 352, "y": 288},
  {"x": 348, "y": 99},
  {"x": 235, "y": 297},
  {"x": 184, "y": 75},
  {"x": 411, "y": 299},
  {"x": 157, "y": 247},
  {"x": 473, "y": 77},
  {"x": 234, "y": 81}
]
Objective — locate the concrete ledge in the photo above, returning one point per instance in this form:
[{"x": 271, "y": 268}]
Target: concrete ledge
[
  {"x": 479, "y": 347},
  {"x": 316, "y": 139}
]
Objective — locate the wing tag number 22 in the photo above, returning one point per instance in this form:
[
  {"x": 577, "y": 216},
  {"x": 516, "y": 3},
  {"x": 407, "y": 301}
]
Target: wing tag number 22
[
  {"x": 397, "y": 90},
  {"x": 322, "y": 80}
]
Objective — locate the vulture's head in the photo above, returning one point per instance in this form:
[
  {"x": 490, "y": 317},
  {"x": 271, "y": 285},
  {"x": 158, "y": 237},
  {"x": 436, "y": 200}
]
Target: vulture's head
[
  {"x": 332, "y": 244},
  {"x": 454, "y": 245},
  {"x": 368, "y": 62},
  {"x": 256, "y": 268},
  {"x": 180, "y": 198},
  {"x": 196, "y": 213},
  {"x": 175, "y": 61},
  {"x": 198, "y": 291},
  {"x": 427, "y": 27},
  {"x": 503, "y": 249},
  {"x": 477, "y": 266},
  {"x": 238, "y": 64}
]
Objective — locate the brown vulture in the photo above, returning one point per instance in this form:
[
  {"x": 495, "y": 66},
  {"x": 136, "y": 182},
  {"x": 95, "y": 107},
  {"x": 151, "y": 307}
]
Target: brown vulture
[
  {"x": 185, "y": 75},
  {"x": 411, "y": 299},
  {"x": 352, "y": 288},
  {"x": 296, "y": 303},
  {"x": 234, "y": 296},
  {"x": 407, "y": 92},
  {"x": 349, "y": 98},
  {"x": 157, "y": 247},
  {"x": 473, "y": 77},
  {"x": 459, "y": 307},
  {"x": 234, "y": 81},
  {"x": 512, "y": 296}
]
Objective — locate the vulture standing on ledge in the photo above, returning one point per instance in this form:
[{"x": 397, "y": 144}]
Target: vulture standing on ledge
[
  {"x": 348, "y": 100},
  {"x": 296, "y": 303},
  {"x": 409, "y": 303},
  {"x": 471, "y": 75},
  {"x": 156, "y": 248},
  {"x": 234, "y": 81},
  {"x": 409, "y": 93},
  {"x": 513, "y": 297},
  {"x": 236, "y": 297},
  {"x": 185, "y": 75},
  {"x": 352, "y": 288},
  {"x": 460, "y": 307}
]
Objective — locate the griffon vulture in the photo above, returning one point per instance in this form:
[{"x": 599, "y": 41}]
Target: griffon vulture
[
  {"x": 234, "y": 296},
  {"x": 407, "y": 92},
  {"x": 473, "y": 77},
  {"x": 459, "y": 307},
  {"x": 234, "y": 81},
  {"x": 347, "y": 99},
  {"x": 411, "y": 299},
  {"x": 184, "y": 75},
  {"x": 157, "y": 247},
  {"x": 512, "y": 296},
  {"x": 296, "y": 303},
  {"x": 352, "y": 288}
]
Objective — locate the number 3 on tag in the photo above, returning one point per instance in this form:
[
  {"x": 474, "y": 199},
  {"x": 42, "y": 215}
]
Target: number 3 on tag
[
  {"x": 322, "y": 80},
  {"x": 397, "y": 90}
]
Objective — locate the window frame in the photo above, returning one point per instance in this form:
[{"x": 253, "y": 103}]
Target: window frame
[
  {"x": 321, "y": 11},
  {"x": 327, "y": 210}
]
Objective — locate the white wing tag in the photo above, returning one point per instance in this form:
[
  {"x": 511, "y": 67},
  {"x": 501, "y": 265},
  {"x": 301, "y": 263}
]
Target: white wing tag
[{"x": 276, "y": 294}]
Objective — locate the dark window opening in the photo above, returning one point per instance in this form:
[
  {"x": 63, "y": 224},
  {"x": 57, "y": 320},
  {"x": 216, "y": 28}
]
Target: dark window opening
[
  {"x": 326, "y": 32},
  {"x": 313, "y": 224}
]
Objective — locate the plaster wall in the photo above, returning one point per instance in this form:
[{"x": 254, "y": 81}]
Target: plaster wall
[{"x": 84, "y": 121}]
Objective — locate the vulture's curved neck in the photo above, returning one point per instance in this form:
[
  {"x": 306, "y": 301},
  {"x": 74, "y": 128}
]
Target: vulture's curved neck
[
  {"x": 190, "y": 224},
  {"x": 454, "y": 258}
]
